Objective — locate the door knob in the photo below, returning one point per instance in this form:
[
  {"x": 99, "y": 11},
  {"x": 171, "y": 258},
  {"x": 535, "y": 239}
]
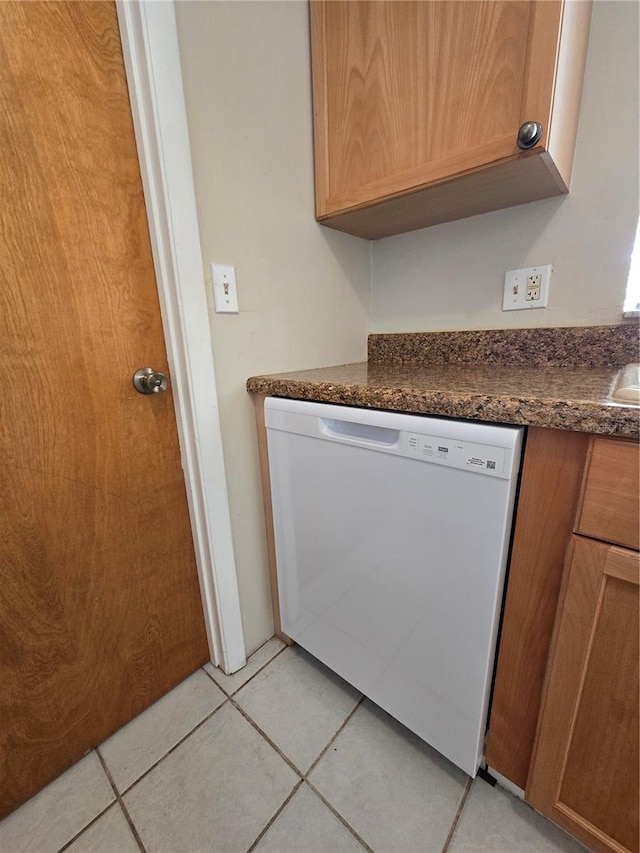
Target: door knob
[
  {"x": 530, "y": 134},
  {"x": 149, "y": 381}
]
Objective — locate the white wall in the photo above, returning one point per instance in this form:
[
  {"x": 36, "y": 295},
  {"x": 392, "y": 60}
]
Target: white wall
[
  {"x": 451, "y": 276},
  {"x": 303, "y": 290}
]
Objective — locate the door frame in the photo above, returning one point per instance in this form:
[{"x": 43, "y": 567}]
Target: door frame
[{"x": 149, "y": 39}]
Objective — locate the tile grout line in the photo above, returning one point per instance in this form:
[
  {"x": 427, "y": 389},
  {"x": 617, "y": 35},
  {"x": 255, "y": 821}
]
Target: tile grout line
[
  {"x": 132, "y": 827},
  {"x": 275, "y": 816},
  {"x": 331, "y": 808},
  {"x": 196, "y": 727},
  {"x": 215, "y": 683},
  {"x": 234, "y": 703},
  {"x": 303, "y": 776},
  {"x": 456, "y": 819},
  {"x": 337, "y": 814},
  {"x": 68, "y": 843},
  {"x": 251, "y": 677},
  {"x": 332, "y": 739},
  {"x": 175, "y": 746},
  {"x": 119, "y": 796},
  {"x": 266, "y": 737}
]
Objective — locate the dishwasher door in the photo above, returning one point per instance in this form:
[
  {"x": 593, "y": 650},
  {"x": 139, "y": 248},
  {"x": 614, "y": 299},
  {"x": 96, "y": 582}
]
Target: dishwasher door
[{"x": 392, "y": 534}]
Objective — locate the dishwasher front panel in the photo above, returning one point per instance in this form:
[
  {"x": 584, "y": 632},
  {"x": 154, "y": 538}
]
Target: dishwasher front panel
[{"x": 391, "y": 545}]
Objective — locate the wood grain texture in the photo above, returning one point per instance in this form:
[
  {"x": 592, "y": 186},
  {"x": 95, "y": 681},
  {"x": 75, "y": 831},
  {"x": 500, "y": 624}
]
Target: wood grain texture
[
  {"x": 100, "y": 610},
  {"x": 584, "y": 773},
  {"x": 551, "y": 478},
  {"x": 541, "y": 68},
  {"x": 409, "y": 96},
  {"x": 263, "y": 452},
  {"x": 610, "y": 506},
  {"x": 418, "y": 91},
  {"x": 514, "y": 181}
]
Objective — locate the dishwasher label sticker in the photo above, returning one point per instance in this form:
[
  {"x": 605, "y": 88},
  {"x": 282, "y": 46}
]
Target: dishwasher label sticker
[
  {"x": 477, "y": 462},
  {"x": 481, "y": 462},
  {"x": 489, "y": 459}
]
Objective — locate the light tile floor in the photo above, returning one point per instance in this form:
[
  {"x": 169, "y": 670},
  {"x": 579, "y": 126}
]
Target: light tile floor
[{"x": 282, "y": 757}]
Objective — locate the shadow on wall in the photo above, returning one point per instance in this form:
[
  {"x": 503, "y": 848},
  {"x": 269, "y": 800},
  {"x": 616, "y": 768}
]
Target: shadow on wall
[{"x": 341, "y": 247}]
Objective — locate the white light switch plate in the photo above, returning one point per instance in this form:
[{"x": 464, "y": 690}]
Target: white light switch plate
[
  {"x": 225, "y": 294},
  {"x": 526, "y": 288}
]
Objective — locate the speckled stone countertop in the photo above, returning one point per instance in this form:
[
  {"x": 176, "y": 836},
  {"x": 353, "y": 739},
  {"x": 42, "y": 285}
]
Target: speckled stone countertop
[{"x": 557, "y": 378}]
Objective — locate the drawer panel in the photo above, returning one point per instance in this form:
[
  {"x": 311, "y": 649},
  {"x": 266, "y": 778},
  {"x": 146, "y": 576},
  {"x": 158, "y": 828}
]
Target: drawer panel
[{"x": 609, "y": 508}]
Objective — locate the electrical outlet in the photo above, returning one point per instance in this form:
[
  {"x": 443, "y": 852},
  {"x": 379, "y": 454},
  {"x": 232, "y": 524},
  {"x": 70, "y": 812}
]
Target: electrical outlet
[
  {"x": 534, "y": 286},
  {"x": 533, "y": 294},
  {"x": 225, "y": 294},
  {"x": 526, "y": 288}
]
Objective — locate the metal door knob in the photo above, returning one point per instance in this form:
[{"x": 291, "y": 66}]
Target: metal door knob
[
  {"x": 149, "y": 381},
  {"x": 530, "y": 134}
]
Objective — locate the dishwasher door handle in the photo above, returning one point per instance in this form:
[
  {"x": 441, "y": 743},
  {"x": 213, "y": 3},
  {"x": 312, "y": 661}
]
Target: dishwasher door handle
[{"x": 355, "y": 433}]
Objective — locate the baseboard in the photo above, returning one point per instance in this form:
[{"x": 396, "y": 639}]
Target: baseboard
[{"x": 505, "y": 783}]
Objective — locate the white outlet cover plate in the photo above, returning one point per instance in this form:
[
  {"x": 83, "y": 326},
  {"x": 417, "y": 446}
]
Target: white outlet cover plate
[
  {"x": 225, "y": 293},
  {"x": 515, "y": 288}
]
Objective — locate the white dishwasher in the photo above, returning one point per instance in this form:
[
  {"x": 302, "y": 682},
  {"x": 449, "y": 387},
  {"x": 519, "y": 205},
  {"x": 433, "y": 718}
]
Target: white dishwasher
[{"x": 392, "y": 533}]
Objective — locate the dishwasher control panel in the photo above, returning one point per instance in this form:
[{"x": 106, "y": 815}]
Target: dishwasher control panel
[
  {"x": 457, "y": 454},
  {"x": 492, "y": 450}
]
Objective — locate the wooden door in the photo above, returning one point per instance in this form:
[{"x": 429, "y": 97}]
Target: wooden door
[
  {"x": 585, "y": 765},
  {"x": 414, "y": 93},
  {"x": 100, "y": 611}
]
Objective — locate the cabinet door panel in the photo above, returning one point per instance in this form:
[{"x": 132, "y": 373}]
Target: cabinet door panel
[
  {"x": 409, "y": 93},
  {"x": 585, "y": 766},
  {"x": 606, "y": 720}
]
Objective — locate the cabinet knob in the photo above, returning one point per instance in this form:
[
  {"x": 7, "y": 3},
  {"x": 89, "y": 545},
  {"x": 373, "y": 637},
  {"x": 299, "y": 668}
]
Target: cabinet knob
[{"x": 530, "y": 134}]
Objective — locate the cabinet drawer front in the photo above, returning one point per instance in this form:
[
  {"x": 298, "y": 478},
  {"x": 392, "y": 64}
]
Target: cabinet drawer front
[{"x": 610, "y": 505}]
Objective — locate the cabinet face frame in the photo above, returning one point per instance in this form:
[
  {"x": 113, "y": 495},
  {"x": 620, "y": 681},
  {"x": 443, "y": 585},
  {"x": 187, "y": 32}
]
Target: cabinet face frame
[
  {"x": 542, "y": 51},
  {"x": 552, "y": 474},
  {"x": 591, "y": 568}
]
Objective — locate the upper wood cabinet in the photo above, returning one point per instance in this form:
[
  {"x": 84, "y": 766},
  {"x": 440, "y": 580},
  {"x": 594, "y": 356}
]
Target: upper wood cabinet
[{"x": 417, "y": 107}]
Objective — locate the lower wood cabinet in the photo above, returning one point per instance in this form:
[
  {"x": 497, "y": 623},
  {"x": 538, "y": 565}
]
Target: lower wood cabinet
[
  {"x": 564, "y": 722},
  {"x": 584, "y": 772}
]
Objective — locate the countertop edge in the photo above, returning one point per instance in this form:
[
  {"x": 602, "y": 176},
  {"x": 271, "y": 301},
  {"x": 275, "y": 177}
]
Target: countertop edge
[{"x": 575, "y": 415}]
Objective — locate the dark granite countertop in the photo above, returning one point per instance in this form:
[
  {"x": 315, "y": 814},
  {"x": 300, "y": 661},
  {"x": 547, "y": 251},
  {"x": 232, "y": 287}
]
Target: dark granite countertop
[{"x": 491, "y": 386}]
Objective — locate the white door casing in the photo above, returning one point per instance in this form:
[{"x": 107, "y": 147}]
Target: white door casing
[{"x": 154, "y": 77}]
